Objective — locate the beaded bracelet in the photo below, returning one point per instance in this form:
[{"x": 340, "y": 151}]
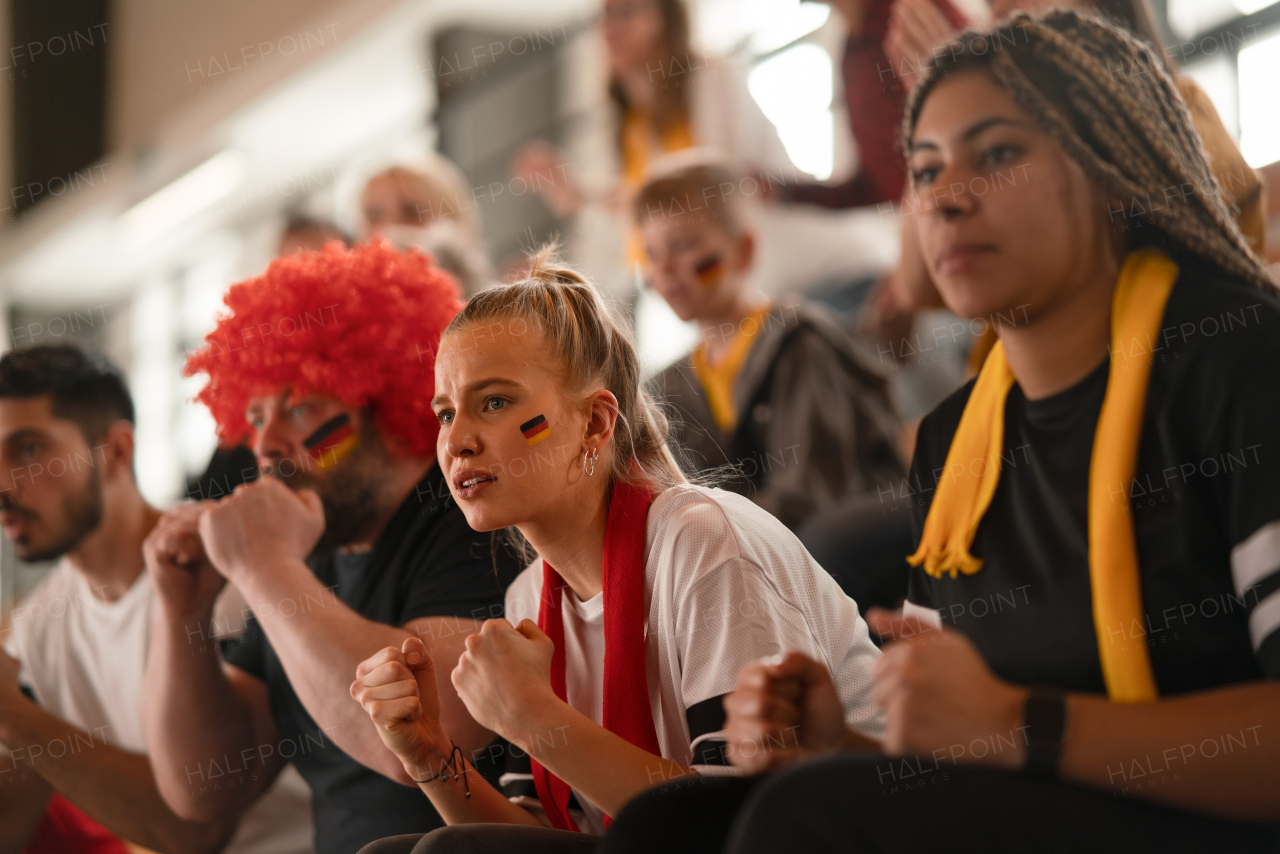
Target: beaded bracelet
[{"x": 450, "y": 770}]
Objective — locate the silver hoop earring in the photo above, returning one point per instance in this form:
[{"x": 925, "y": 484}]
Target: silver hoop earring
[{"x": 590, "y": 458}]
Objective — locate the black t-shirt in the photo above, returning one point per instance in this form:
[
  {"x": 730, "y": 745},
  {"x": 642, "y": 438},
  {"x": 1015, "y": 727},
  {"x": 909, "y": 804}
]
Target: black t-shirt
[
  {"x": 1205, "y": 503},
  {"x": 427, "y": 563}
]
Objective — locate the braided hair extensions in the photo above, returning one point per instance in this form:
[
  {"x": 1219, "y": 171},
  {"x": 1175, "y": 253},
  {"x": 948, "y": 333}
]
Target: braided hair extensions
[{"x": 1107, "y": 100}]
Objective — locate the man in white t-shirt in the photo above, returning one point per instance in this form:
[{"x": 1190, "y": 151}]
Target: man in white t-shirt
[{"x": 78, "y": 643}]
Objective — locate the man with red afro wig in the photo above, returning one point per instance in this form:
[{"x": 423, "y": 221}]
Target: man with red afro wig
[
  {"x": 359, "y": 325},
  {"x": 350, "y": 544}
]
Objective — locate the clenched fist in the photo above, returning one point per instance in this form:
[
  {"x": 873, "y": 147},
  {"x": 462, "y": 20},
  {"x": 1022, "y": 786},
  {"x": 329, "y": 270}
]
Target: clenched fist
[
  {"x": 185, "y": 581},
  {"x": 938, "y": 694},
  {"x": 261, "y": 523},
  {"x": 783, "y": 709},
  {"x": 397, "y": 689},
  {"x": 504, "y": 677}
]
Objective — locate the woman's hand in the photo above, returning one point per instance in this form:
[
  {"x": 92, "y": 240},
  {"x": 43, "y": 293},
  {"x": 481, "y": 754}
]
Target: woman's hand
[
  {"x": 940, "y": 699},
  {"x": 916, "y": 29},
  {"x": 783, "y": 709},
  {"x": 397, "y": 688},
  {"x": 504, "y": 678}
]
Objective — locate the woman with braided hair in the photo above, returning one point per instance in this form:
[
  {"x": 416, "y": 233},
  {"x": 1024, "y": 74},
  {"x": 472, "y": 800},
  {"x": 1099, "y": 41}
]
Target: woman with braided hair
[
  {"x": 1241, "y": 187},
  {"x": 1091, "y": 642},
  {"x": 915, "y": 30}
]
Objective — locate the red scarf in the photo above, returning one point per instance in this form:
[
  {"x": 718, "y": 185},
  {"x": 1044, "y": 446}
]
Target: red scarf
[{"x": 626, "y": 689}]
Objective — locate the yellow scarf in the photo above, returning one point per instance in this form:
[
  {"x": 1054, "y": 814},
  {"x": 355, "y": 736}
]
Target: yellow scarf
[
  {"x": 973, "y": 470},
  {"x": 718, "y": 379},
  {"x": 638, "y": 142},
  {"x": 637, "y": 145}
]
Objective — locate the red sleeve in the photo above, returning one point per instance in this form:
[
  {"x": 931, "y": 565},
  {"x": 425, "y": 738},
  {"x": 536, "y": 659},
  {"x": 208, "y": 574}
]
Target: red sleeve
[{"x": 874, "y": 98}]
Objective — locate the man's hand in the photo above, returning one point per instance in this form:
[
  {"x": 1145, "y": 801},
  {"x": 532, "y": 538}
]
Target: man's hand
[
  {"x": 938, "y": 695},
  {"x": 185, "y": 580},
  {"x": 504, "y": 677},
  {"x": 397, "y": 689},
  {"x": 260, "y": 524},
  {"x": 784, "y": 708}
]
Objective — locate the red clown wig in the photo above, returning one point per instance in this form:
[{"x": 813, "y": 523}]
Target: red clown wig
[{"x": 361, "y": 325}]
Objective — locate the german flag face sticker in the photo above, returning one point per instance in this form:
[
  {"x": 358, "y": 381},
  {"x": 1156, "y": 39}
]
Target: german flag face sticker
[
  {"x": 710, "y": 271},
  {"x": 535, "y": 430},
  {"x": 334, "y": 440}
]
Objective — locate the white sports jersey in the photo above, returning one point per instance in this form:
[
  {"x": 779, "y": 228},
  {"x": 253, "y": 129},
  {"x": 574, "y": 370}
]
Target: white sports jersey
[{"x": 726, "y": 584}]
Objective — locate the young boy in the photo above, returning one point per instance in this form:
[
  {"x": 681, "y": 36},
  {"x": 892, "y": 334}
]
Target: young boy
[{"x": 774, "y": 389}]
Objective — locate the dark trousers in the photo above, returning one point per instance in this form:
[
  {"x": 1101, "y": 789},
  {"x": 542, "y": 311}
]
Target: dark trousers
[
  {"x": 861, "y": 805},
  {"x": 487, "y": 839}
]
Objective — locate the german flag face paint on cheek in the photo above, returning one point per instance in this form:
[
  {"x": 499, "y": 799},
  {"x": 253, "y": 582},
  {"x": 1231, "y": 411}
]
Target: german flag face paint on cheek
[
  {"x": 334, "y": 440},
  {"x": 535, "y": 430},
  {"x": 710, "y": 271}
]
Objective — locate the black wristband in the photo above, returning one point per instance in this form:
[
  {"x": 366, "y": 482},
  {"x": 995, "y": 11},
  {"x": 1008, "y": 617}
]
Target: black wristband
[{"x": 1044, "y": 720}]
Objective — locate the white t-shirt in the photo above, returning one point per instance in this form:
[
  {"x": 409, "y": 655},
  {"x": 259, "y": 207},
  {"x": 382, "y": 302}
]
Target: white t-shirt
[
  {"x": 84, "y": 659},
  {"x": 726, "y": 584}
]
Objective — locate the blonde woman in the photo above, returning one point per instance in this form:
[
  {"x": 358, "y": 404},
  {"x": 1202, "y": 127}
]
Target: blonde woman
[
  {"x": 660, "y": 95},
  {"x": 648, "y": 594}
]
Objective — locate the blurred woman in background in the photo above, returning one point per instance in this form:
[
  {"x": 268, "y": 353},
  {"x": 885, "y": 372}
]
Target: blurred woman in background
[
  {"x": 662, "y": 97},
  {"x": 428, "y": 205}
]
